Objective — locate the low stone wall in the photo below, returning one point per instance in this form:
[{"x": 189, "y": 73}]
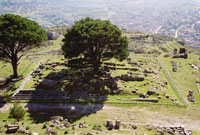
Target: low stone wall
[{"x": 155, "y": 100}]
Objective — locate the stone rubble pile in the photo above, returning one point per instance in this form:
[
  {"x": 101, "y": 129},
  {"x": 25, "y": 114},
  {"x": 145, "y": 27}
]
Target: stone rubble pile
[{"x": 173, "y": 130}]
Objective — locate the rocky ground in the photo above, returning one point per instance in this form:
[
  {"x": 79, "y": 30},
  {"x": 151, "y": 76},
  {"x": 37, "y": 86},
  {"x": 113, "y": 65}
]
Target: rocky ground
[{"x": 149, "y": 117}]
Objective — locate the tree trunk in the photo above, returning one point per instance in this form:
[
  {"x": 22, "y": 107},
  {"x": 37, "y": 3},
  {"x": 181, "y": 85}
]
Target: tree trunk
[
  {"x": 14, "y": 66},
  {"x": 96, "y": 63},
  {"x": 96, "y": 67}
]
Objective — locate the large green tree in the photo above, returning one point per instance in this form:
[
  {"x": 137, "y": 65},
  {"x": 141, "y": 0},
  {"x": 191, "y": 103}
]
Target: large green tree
[
  {"x": 95, "y": 40},
  {"x": 18, "y": 34}
]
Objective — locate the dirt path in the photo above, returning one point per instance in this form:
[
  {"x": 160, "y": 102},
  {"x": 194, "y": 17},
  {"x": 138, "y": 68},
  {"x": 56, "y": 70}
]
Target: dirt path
[
  {"x": 162, "y": 117},
  {"x": 25, "y": 80},
  {"x": 157, "y": 116}
]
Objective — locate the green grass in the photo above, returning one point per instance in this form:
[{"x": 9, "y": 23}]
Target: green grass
[
  {"x": 196, "y": 132},
  {"x": 171, "y": 83},
  {"x": 185, "y": 77}
]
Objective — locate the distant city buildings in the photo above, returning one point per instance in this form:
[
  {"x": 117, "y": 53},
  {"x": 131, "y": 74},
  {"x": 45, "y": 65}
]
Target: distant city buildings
[{"x": 177, "y": 18}]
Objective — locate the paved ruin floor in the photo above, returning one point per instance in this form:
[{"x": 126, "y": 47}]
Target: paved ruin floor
[{"x": 143, "y": 115}]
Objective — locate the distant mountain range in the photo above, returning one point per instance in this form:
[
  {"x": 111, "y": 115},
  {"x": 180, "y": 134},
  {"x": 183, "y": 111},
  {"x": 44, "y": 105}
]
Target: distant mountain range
[{"x": 174, "y": 18}]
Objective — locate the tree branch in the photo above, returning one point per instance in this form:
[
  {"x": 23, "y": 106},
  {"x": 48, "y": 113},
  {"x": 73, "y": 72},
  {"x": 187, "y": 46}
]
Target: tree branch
[
  {"x": 5, "y": 50},
  {"x": 20, "y": 57}
]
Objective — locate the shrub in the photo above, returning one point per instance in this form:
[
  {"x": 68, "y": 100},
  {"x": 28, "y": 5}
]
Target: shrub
[
  {"x": 96, "y": 127},
  {"x": 66, "y": 132},
  {"x": 6, "y": 126},
  {"x": 44, "y": 126},
  {"x": 17, "y": 112},
  {"x": 27, "y": 127}
]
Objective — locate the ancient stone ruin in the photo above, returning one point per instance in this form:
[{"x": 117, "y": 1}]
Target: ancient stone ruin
[
  {"x": 182, "y": 53},
  {"x": 194, "y": 67},
  {"x": 127, "y": 77},
  {"x": 182, "y": 50},
  {"x": 170, "y": 130},
  {"x": 110, "y": 125},
  {"x": 191, "y": 96},
  {"x": 39, "y": 95},
  {"x": 174, "y": 66},
  {"x": 175, "y": 51},
  {"x": 11, "y": 128}
]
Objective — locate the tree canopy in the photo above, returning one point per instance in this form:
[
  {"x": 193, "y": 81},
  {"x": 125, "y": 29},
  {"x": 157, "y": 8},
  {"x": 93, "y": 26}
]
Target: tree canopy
[
  {"x": 18, "y": 34},
  {"x": 95, "y": 40}
]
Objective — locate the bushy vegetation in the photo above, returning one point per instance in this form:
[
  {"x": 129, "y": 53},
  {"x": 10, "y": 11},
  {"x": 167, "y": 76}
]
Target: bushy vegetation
[
  {"x": 44, "y": 126},
  {"x": 27, "y": 127},
  {"x": 17, "y": 112},
  {"x": 66, "y": 132}
]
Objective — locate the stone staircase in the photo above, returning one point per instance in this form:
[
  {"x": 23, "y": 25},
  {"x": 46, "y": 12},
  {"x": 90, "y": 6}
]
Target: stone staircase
[
  {"x": 55, "y": 95},
  {"x": 39, "y": 95},
  {"x": 84, "y": 95}
]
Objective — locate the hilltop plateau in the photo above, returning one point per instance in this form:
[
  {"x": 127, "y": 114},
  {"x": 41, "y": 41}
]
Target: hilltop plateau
[{"x": 156, "y": 90}]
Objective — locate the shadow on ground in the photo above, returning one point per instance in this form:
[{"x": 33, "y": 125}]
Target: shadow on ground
[
  {"x": 72, "y": 80},
  {"x": 42, "y": 112},
  {"x": 78, "y": 84},
  {"x": 1, "y": 104}
]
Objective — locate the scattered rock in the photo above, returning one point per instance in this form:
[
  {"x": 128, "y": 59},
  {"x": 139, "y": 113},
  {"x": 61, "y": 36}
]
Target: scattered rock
[
  {"x": 74, "y": 127},
  {"x": 66, "y": 123},
  {"x": 173, "y": 99},
  {"x": 159, "y": 97},
  {"x": 142, "y": 95},
  {"x": 12, "y": 128},
  {"x": 59, "y": 118},
  {"x": 2, "y": 80},
  {"x": 52, "y": 35},
  {"x": 50, "y": 131},
  {"x": 80, "y": 125},
  {"x": 174, "y": 66},
  {"x": 148, "y": 71},
  {"x": 191, "y": 96},
  {"x": 149, "y": 127},
  {"x": 22, "y": 130},
  {"x": 52, "y": 125},
  {"x": 41, "y": 66},
  {"x": 89, "y": 133},
  {"x": 56, "y": 122},
  {"x": 150, "y": 92},
  {"x": 197, "y": 80},
  {"x": 134, "y": 91},
  {"x": 173, "y": 131},
  {"x": 134, "y": 127}
]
